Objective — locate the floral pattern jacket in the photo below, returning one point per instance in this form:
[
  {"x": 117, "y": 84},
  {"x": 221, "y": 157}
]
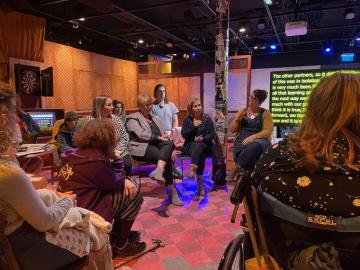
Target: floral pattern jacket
[{"x": 331, "y": 190}]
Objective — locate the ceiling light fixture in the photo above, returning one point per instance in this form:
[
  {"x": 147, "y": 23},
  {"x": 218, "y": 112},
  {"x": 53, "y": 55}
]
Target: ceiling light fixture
[
  {"x": 349, "y": 14},
  {"x": 261, "y": 24}
]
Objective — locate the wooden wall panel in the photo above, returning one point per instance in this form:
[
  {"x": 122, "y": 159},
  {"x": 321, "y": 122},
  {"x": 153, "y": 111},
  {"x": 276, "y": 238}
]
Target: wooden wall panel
[
  {"x": 179, "y": 89},
  {"x": 80, "y": 75},
  {"x": 85, "y": 89},
  {"x": 82, "y": 60},
  {"x": 189, "y": 87}
]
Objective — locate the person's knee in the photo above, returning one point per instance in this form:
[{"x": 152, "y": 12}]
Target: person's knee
[{"x": 202, "y": 147}]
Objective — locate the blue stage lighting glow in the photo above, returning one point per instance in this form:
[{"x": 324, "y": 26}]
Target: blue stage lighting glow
[
  {"x": 347, "y": 57},
  {"x": 273, "y": 47},
  {"x": 328, "y": 49}
]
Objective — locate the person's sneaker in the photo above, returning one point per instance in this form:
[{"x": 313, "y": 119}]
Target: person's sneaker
[
  {"x": 157, "y": 175},
  {"x": 134, "y": 236},
  {"x": 130, "y": 249}
]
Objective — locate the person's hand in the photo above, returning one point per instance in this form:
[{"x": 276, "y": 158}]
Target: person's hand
[
  {"x": 197, "y": 122},
  {"x": 129, "y": 189},
  {"x": 165, "y": 137},
  {"x": 68, "y": 194},
  {"x": 116, "y": 155},
  {"x": 199, "y": 138},
  {"x": 248, "y": 139}
]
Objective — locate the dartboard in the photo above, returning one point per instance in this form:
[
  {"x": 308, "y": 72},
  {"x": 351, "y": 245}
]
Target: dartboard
[{"x": 29, "y": 82}]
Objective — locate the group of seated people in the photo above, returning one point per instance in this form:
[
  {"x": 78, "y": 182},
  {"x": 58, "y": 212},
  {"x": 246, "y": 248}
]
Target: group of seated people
[{"x": 322, "y": 160}]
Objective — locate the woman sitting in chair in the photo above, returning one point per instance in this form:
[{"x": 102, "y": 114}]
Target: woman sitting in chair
[
  {"x": 149, "y": 143},
  {"x": 26, "y": 214},
  {"x": 253, "y": 127},
  {"x": 198, "y": 131},
  {"x": 101, "y": 185},
  {"x": 318, "y": 169},
  {"x": 103, "y": 109}
]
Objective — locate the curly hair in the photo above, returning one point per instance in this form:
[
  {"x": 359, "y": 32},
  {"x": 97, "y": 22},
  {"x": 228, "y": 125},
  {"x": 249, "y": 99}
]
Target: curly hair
[
  {"x": 333, "y": 110},
  {"x": 97, "y": 134},
  {"x": 6, "y": 95}
]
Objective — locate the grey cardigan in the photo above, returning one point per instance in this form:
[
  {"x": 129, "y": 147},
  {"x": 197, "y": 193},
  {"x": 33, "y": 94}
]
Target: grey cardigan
[{"x": 140, "y": 132}]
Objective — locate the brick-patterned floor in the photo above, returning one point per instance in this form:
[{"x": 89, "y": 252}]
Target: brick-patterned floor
[{"x": 195, "y": 235}]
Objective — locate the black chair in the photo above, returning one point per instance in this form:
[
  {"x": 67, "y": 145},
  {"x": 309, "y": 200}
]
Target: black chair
[{"x": 274, "y": 230}]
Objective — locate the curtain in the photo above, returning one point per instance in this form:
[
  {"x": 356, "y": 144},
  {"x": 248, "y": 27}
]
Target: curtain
[{"x": 21, "y": 36}]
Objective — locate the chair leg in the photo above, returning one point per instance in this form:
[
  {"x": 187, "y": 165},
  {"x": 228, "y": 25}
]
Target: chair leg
[{"x": 182, "y": 176}]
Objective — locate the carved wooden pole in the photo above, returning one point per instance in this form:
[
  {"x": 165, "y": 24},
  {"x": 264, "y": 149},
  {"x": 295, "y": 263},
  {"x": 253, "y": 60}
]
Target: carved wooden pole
[{"x": 221, "y": 78}]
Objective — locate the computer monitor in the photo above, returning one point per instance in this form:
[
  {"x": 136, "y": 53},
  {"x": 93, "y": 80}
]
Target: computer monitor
[{"x": 45, "y": 120}]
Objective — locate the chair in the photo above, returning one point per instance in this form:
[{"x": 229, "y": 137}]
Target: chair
[
  {"x": 274, "y": 231},
  {"x": 138, "y": 164},
  {"x": 10, "y": 258},
  {"x": 5, "y": 246}
]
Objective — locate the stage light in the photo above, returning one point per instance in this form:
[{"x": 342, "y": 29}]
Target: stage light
[
  {"x": 268, "y": 2},
  {"x": 328, "y": 49},
  {"x": 273, "y": 47},
  {"x": 242, "y": 29},
  {"x": 347, "y": 57},
  {"x": 193, "y": 54},
  {"x": 141, "y": 41},
  {"x": 82, "y": 19},
  {"x": 256, "y": 47}
]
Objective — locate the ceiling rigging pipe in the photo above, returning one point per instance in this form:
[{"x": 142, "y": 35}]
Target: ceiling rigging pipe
[{"x": 273, "y": 24}]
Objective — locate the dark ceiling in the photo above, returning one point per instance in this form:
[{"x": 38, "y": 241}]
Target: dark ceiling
[{"x": 114, "y": 27}]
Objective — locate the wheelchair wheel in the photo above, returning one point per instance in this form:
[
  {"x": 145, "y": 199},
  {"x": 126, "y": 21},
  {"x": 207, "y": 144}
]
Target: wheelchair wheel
[{"x": 233, "y": 258}]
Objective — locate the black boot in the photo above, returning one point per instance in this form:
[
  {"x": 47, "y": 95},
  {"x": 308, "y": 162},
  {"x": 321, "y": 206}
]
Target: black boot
[{"x": 121, "y": 244}]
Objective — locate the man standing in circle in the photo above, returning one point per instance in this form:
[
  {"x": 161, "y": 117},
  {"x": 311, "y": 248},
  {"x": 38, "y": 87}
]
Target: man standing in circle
[{"x": 165, "y": 109}]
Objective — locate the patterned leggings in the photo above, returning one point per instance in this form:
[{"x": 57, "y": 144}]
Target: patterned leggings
[{"x": 124, "y": 208}]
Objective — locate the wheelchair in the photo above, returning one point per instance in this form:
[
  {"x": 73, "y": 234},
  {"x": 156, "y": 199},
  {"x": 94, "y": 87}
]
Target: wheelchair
[{"x": 274, "y": 232}]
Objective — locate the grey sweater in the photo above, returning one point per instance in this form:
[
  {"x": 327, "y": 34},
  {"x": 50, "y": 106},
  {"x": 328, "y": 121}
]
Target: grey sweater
[
  {"x": 140, "y": 132},
  {"x": 20, "y": 202}
]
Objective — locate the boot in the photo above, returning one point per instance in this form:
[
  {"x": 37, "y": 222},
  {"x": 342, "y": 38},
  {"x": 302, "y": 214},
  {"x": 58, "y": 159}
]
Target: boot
[
  {"x": 200, "y": 190},
  {"x": 157, "y": 175},
  {"x": 120, "y": 242},
  {"x": 174, "y": 196},
  {"x": 192, "y": 172},
  {"x": 200, "y": 185},
  {"x": 231, "y": 176}
]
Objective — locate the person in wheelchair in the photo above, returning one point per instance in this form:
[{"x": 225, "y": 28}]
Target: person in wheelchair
[{"x": 317, "y": 171}]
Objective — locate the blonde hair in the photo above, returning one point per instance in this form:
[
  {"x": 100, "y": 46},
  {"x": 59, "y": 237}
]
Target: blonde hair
[
  {"x": 143, "y": 98},
  {"x": 98, "y": 104},
  {"x": 6, "y": 95},
  {"x": 333, "y": 110}
]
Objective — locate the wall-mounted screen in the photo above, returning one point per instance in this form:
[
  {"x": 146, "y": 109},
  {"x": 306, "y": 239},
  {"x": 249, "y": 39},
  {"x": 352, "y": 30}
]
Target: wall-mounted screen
[
  {"x": 289, "y": 93},
  {"x": 46, "y": 118}
]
